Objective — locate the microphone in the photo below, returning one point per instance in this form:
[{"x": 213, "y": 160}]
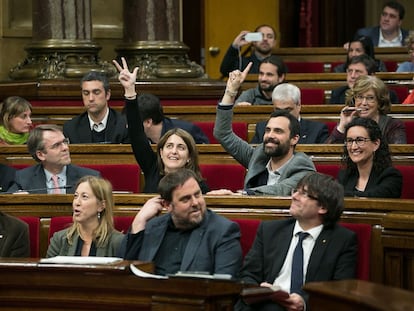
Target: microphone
[{"x": 30, "y": 191}]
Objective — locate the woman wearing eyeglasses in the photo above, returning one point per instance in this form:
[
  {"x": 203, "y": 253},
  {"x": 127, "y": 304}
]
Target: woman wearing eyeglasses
[
  {"x": 368, "y": 170},
  {"x": 369, "y": 98}
]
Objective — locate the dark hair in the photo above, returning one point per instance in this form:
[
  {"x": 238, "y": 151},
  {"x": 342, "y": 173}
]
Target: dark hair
[
  {"x": 266, "y": 25},
  {"x": 396, "y": 6},
  {"x": 171, "y": 181},
  {"x": 276, "y": 61},
  {"x": 35, "y": 141},
  {"x": 150, "y": 108},
  {"x": 366, "y": 60},
  {"x": 11, "y": 107},
  {"x": 329, "y": 192},
  {"x": 294, "y": 126},
  {"x": 382, "y": 156},
  {"x": 191, "y": 146},
  {"x": 97, "y": 76}
]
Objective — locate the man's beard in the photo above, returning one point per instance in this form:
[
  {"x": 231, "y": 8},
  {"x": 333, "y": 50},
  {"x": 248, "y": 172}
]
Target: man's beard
[
  {"x": 270, "y": 88},
  {"x": 279, "y": 150}
]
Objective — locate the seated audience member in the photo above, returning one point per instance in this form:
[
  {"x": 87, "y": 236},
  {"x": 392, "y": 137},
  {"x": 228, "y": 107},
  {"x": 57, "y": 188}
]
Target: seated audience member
[
  {"x": 156, "y": 124},
  {"x": 358, "y": 66},
  {"x": 189, "y": 237},
  {"x": 272, "y": 71},
  {"x": 14, "y": 240},
  {"x": 175, "y": 149},
  {"x": 15, "y": 121},
  {"x": 359, "y": 46},
  {"x": 233, "y": 59},
  {"x": 287, "y": 96},
  {"x": 369, "y": 171},
  {"x": 53, "y": 173},
  {"x": 92, "y": 232},
  {"x": 408, "y": 66},
  {"x": 273, "y": 168},
  {"x": 329, "y": 250},
  {"x": 99, "y": 123},
  {"x": 389, "y": 32},
  {"x": 369, "y": 98},
  {"x": 7, "y": 175}
]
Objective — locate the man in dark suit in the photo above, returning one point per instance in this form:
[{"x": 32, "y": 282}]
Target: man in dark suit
[
  {"x": 157, "y": 124},
  {"x": 54, "y": 173},
  {"x": 14, "y": 237},
  {"x": 99, "y": 123},
  {"x": 189, "y": 237},
  {"x": 286, "y": 96},
  {"x": 389, "y": 32},
  {"x": 329, "y": 250}
]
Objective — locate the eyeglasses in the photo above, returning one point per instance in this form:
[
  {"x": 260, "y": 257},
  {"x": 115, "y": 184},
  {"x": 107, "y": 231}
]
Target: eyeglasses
[
  {"x": 59, "y": 144},
  {"x": 360, "y": 141},
  {"x": 303, "y": 193},
  {"x": 370, "y": 99}
]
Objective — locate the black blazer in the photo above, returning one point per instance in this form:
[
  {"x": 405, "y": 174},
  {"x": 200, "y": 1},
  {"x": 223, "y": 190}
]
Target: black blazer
[
  {"x": 195, "y": 131},
  {"x": 79, "y": 131},
  {"x": 311, "y": 132},
  {"x": 7, "y": 174}
]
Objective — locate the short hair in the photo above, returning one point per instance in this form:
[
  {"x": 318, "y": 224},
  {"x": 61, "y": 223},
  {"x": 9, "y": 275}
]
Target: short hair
[
  {"x": 97, "y": 76},
  {"x": 382, "y": 156},
  {"x": 266, "y": 25},
  {"x": 172, "y": 181},
  {"x": 410, "y": 39},
  {"x": 11, "y": 107},
  {"x": 150, "y": 107},
  {"x": 35, "y": 141},
  {"x": 366, "y": 60},
  {"x": 276, "y": 61},
  {"x": 294, "y": 126},
  {"x": 286, "y": 92},
  {"x": 191, "y": 146},
  {"x": 328, "y": 191},
  {"x": 396, "y": 6},
  {"x": 365, "y": 83},
  {"x": 102, "y": 190}
]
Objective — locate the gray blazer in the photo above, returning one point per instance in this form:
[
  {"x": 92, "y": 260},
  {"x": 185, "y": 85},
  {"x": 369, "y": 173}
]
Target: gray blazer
[
  {"x": 213, "y": 247},
  {"x": 33, "y": 178},
  {"x": 59, "y": 245},
  {"x": 255, "y": 160}
]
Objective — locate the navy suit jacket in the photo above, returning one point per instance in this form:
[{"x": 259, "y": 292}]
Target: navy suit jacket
[
  {"x": 334, "y": 256},
  {"x": 78, "y": 130},
  {"x": 311, "y": 132},
  {"x": 373, "y": 33},
  {"x": 213, "y": 247},
  {"x": 33, "y": 178},
  {"x": 7, "y": 174}
]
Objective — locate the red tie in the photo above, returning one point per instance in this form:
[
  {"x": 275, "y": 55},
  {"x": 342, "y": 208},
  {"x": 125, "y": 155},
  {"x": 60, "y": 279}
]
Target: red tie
[{"x": 56, "y": 186}]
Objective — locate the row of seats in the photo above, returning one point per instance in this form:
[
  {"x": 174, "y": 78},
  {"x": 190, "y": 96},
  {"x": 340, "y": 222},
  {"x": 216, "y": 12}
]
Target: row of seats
[
  {"x": 248, "y": 228},
  {"x": 320, "y": 67}
]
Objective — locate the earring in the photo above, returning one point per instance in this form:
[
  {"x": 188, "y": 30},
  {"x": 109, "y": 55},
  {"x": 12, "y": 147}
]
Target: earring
[{"x": 99, "y": 215}]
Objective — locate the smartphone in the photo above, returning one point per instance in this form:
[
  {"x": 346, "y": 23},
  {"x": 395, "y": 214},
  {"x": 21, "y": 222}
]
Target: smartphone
[{"x": 253, "y": 36}]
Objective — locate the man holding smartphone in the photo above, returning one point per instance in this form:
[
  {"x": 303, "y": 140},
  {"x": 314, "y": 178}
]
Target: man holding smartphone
[{"x": 261, "y": 49}]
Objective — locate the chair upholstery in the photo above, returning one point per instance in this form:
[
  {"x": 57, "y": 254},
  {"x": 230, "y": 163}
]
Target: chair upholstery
[
  {"x": 328, "y": 169},
  {"x": 223, "y": 176},
  {"x": 239, "y": 128},
  {"x": 312, "y": 96},
  {"x": 248, "y": 229},
  {"x": 401, "y": 91},
  {"x": 407, "y": 172},
  {"x": 34, "y": 234},
  {"x": 409, "y": 130},
  {"x": 305, "y": 67}
]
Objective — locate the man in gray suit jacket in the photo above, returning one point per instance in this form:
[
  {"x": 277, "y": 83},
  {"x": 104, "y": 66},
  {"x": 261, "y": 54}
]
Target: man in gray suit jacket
[
  {"x": 14, "y": 237},
  {"x": 287, "y": 96},
  {"x": 329, "y": 250},
  {"x": 189, "y": 237},
  {"x": 50, "y": 148}
]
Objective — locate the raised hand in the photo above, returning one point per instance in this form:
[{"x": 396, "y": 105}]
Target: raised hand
[
  {"x": 236, "y": 78},
  {"x": 126, "y": 77}
]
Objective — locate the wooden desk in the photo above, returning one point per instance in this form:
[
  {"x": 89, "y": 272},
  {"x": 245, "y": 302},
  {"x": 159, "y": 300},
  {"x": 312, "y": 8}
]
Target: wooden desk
[
  {"x": 358, "y": 295},
  {"x": 31, "y": 285}
]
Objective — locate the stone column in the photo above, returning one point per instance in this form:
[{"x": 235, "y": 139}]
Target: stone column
[
  {"x": 62, "y": 45},
  {"x": 152, "y": 40}
]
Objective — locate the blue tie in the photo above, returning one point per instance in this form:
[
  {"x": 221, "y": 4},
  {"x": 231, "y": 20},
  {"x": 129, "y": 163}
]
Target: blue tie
[{"x": 296, "y": 282}]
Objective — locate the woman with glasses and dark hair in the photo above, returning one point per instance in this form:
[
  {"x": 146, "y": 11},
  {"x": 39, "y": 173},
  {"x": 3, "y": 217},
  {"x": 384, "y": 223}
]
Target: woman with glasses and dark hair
[
  {"x": 368, "y": 170},
  {"x": 369, "y": 98}
]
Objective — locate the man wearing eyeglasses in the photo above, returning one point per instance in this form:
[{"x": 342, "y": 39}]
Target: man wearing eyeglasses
[
  {"x": 389, "y": 32},
  {"x": 54, "y": 173},
  {"x": 309, "y": 247}
]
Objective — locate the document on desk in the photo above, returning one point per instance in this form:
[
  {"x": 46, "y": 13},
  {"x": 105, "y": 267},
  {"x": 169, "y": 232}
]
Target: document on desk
[
  {"x": 81, "y": 260},
  {"x": 143, "y": 274}
]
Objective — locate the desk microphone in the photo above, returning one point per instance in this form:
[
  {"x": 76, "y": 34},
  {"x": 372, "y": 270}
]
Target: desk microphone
[{"x": 38, "y": 190}]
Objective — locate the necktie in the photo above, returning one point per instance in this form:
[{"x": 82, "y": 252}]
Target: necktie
[
  {"x": 55, "y": 184},
  {"x": 297, "y": 265}
]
